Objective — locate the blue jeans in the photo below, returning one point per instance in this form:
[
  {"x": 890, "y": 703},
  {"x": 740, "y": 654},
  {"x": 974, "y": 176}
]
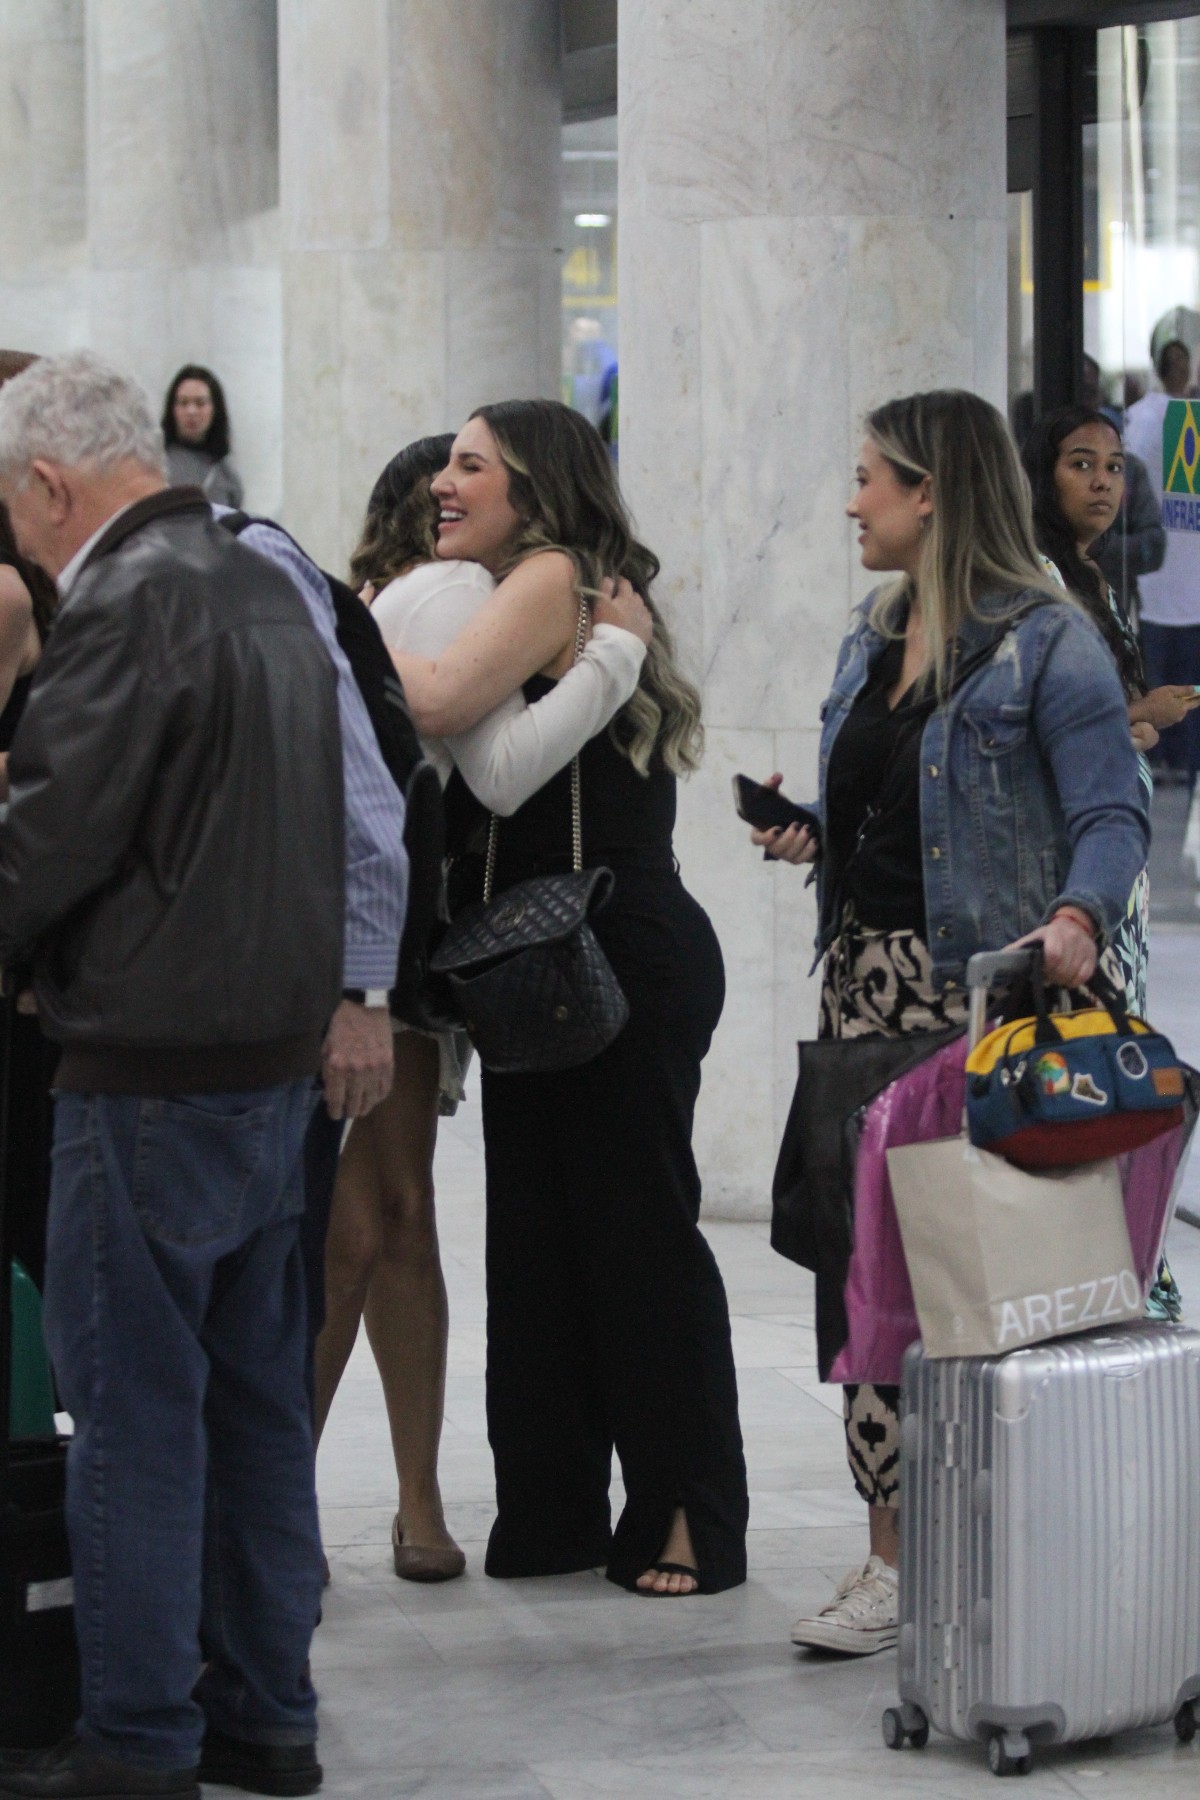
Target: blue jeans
[{"x": 176, "y": 1321}]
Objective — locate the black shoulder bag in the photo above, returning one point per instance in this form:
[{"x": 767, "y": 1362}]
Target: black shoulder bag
[
  {"x": 812, "y": 1195},
  {"x": 535, "y": 990}
]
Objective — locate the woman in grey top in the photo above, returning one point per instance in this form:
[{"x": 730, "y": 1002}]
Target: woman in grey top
[{"x": 195, "y": 425}]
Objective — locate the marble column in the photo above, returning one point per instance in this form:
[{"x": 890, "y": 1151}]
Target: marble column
[
  {"x": 183, "y": 212},
  {"x": 812, "y": 221},
  {"x": 42, "y": 175},
  {"x": 421, "y": 159}
]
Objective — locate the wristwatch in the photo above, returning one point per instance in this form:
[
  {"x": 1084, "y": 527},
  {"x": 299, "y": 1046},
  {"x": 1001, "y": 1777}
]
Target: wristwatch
[{"x": 366, "y": 996}]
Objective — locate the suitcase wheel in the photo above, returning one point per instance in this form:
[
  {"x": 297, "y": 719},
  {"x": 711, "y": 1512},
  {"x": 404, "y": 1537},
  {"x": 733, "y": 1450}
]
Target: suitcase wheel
[
  {"x": 1009, "y": 1753},
  {"x": 905, "y": 1724},
  {"x": 1186, "y": 1722}
]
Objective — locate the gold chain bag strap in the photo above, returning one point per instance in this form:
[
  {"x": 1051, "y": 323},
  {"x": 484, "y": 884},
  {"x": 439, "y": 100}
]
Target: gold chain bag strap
[{"x": 535, "y": 990}]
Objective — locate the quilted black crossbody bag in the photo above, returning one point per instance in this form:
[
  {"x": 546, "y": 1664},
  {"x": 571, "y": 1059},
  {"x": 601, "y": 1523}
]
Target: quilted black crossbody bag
[{"x": 535, "y": 990}]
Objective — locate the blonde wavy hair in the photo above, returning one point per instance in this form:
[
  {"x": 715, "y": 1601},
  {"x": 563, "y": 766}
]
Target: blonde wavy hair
[
  {"x": 979, "y": 541},
  {"x": 561, "y": 483}
]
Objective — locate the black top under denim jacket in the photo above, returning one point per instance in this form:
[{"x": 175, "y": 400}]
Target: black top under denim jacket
[
  {"x": 886, "y": 824},
  {"x": 873, "y": 802}
]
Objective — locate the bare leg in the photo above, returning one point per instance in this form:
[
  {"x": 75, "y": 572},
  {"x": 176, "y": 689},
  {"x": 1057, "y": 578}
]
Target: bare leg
[
  {"x": 677, "y": 1549},
  {"x": 405, "y": 1307},
  {"x": 351, "y": 1249},
  {"x": 885, "y": 1534}
]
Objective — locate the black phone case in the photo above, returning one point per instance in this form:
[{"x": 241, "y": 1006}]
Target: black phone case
[{"x": 765, "y": 808}]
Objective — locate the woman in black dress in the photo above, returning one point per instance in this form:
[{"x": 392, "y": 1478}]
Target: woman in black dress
[
  {"x": 607, "y": 1318},
  {"x": 27, "y": 600}
]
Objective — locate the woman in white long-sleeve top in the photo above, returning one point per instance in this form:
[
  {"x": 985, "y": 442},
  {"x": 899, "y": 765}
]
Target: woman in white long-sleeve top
[{"x": 382, "y": 1262}]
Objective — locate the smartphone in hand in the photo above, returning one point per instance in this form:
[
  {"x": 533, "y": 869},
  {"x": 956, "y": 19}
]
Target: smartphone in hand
[{"x": 765, "y": 807}]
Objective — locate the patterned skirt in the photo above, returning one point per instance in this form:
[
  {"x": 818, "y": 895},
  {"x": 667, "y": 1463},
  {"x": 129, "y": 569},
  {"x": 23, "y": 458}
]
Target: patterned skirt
[{"x": 880, "y": 983}]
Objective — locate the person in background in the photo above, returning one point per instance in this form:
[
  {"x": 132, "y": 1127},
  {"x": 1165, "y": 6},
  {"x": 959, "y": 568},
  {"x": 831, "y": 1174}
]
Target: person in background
[
  {"x": 1136, "y": 543},
  {"x": 172, "y": 863},
  {"x": 1170, "y": 596},
  {"x": 929, "y": 797},
  {"x": 28, "y": 600},
  {"x": 1075, "y": 463},
  {"x": 383, "y": 1265},
  {"x": 195, "y": 427}
]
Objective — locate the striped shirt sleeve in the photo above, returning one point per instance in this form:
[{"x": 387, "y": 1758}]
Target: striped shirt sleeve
[{"x": 376, "y": 863}]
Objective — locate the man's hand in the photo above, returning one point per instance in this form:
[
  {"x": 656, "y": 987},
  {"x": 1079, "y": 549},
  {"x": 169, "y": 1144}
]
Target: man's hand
[{"x": 357, "y": 1062}]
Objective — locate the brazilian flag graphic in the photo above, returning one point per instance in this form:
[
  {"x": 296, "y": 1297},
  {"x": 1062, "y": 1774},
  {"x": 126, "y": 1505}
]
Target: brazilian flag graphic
[{"x": 1181, "y": 466}]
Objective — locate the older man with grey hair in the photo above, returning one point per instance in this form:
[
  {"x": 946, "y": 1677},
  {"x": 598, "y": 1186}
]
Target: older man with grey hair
[{"x": 172, "y": 865}]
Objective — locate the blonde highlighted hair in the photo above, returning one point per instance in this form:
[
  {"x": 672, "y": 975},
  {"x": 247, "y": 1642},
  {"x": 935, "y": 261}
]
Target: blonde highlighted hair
[
  {"x": 979, "y": 540},
  {"x": 562, "y": 484}
]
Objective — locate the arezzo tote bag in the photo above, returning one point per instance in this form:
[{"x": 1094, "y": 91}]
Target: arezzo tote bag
[{"x": 999, "y": 1258}]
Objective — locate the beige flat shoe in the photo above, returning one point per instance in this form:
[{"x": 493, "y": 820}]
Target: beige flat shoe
[{"x": 416, "y": 1562}]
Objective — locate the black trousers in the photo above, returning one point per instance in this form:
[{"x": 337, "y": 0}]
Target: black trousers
[
  {"x": 607, "y": 1318},
  {"x": 1172, "y": 654}
]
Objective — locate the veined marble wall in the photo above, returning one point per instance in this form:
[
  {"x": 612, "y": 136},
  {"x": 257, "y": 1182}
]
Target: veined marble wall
[
  {"x": 183, "y": 216},
  {"x": 421, "y": 163},
  {"x": 43, "y": 194},
  {"x": 812, "y": 221},
  {"x": 139, "y": 197}
]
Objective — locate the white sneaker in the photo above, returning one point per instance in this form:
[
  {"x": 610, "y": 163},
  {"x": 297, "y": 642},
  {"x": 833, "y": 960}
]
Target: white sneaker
[{"x": 862, "y": 1617}]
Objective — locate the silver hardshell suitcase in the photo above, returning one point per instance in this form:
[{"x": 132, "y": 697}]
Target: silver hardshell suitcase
[{"x": 1050, "y": 1542}]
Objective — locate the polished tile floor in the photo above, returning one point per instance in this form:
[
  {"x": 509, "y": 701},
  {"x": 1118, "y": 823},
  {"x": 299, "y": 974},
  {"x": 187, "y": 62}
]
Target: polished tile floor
[{"x": 566, "y": 1687}]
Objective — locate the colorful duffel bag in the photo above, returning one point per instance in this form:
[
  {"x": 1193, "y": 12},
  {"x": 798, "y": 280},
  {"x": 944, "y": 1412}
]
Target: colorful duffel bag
[{"x": 1057, "y": 1089}]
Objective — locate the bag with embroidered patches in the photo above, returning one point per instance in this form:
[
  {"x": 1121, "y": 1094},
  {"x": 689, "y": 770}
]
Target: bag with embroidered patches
[{"x": 1058, "y": 1089}]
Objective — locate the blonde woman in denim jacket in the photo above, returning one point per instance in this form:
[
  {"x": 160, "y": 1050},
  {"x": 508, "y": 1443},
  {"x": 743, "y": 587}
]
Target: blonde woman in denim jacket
[{"x": 958, "y": 812}]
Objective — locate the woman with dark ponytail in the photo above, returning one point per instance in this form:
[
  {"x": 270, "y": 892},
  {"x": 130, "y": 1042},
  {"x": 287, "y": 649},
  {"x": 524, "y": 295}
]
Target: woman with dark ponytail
[
  {"x": 1076, "y": 466},
  {"x": 1075, "y": 462}
]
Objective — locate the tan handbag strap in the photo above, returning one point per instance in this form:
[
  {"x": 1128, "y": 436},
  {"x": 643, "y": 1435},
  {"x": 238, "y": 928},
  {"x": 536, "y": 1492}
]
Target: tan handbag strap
[{"x": 489, "y": 872}]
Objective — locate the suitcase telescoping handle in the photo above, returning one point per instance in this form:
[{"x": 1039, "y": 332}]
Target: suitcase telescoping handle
[{"x": 992, "y": 969}]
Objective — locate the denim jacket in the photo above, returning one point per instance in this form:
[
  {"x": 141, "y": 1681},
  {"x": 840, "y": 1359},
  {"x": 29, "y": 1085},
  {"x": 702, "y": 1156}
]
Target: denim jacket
[{"x": 1030, "y": 795}]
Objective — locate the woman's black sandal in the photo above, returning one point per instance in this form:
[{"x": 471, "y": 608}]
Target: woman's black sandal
[{"x": 671, "y": 1568}]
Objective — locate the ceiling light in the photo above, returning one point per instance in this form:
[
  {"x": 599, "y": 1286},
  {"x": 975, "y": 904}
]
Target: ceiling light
[{"x": 593, "y": 221}]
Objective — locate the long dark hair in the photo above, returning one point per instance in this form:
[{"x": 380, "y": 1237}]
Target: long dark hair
[
  {"x": 41, "y": 587},
  {"x": 562, "y": 484},
  {"x": 217, "y": 437},
  {"x": 42, "y": 590},
  {"x": 400, "y": 526},
  {"x": 1056, "y": 535}
]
